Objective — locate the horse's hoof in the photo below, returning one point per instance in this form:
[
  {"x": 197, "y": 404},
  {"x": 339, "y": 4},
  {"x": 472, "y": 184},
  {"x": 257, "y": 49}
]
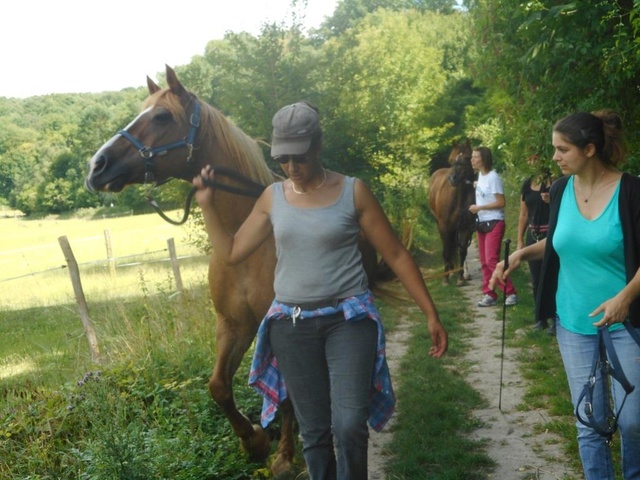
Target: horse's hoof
[
  {"x": 281, "y": 467},
  {"x": 258, "y": 446},
  {"x": 461, "y": 282}
]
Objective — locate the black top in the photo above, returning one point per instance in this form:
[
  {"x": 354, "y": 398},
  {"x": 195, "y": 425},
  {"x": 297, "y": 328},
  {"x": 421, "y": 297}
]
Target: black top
[{"x": 537, "y": 210}]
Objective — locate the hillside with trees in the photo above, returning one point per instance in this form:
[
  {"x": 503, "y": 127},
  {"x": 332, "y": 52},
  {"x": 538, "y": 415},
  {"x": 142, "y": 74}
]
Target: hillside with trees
[{"x": 396, "y": 82}]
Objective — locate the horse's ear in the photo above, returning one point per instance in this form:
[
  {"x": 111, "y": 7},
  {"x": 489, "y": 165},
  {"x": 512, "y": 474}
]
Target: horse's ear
[
  {"x": 152, "y": 86},
  {"x": 468, "y": 143},
  {"x": 173, "y": 82}
]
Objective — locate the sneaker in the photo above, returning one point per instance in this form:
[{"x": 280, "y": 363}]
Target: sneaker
[
  {"x": 511, "y": 300},
  {"x": 487, "y": 301},
  {"x": 541, "y": 325}
]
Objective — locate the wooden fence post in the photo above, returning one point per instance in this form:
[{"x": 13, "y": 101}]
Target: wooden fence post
[
  {"x": 112, "y": 261},
  {"x": 175, "y": 265},
  {"x": 74, "y": 272}
]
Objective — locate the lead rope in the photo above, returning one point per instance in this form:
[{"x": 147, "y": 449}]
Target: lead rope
[
  {"x": 253, "y": 190},
  {"x": 607, "y": 361}
]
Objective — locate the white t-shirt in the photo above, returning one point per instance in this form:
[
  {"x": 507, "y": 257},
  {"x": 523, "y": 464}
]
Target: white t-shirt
[{"x": 487, "y": 187}]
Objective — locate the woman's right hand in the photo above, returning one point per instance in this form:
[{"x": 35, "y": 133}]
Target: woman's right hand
[
  {"x": 204, "y": 193},
  {"x": 500, "y": 275}
]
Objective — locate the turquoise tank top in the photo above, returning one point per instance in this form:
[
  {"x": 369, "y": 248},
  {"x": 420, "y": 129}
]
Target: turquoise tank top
[
  {"x": 317, "y": 249},
  {"x": 592, "y": 266}
]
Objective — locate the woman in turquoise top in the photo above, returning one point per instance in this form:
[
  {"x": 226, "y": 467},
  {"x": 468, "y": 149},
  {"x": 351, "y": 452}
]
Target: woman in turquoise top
[{"x": 590, "y": 273}]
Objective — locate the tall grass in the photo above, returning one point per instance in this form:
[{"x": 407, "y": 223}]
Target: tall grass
[{"x": 145, "y": 411}]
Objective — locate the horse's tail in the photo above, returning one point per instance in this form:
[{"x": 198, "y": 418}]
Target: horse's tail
[{"x": 377, "y": 270}]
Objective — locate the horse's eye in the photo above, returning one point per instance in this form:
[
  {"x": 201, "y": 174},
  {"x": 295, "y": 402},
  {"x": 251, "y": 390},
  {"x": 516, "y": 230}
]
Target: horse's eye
[{"x": 162, "y": 118}]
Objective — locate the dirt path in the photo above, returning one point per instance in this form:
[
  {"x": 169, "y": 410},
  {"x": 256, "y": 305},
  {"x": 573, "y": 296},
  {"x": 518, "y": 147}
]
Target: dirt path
[{"x": 519, "y": 452}]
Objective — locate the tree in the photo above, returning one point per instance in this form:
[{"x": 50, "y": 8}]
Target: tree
[
  {"x": 255, "y": 76},
  {"x": 349, "y": 13},
  {"x": 385, "y": 110},
  {"x": 541, "y": 60},
  {"x": 384, "y": 86}
]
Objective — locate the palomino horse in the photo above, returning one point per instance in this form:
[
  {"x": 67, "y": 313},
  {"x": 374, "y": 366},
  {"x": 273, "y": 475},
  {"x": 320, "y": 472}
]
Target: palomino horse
[
  {"x": 174, "y": 137},
  {"x": 451, "y": 191}
]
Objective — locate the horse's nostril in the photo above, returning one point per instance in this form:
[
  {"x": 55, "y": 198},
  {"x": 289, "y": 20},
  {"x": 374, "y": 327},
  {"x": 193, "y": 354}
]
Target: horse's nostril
[
  {"x": 99, "y": 163},
  {"x": 96, "y": 166}
]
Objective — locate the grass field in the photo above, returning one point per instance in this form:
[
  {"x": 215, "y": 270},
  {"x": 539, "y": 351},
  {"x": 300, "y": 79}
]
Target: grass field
[
  {"x": 145, "y": 412},
  {"x": 32, "y": 264}
]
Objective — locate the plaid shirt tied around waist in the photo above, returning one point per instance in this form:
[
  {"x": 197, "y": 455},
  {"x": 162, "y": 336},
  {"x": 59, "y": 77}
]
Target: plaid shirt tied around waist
[{"x": 266, "y": 378}]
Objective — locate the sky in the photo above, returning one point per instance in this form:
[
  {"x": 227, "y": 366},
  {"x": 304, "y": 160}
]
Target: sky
[{"x": 78, "y": 46}]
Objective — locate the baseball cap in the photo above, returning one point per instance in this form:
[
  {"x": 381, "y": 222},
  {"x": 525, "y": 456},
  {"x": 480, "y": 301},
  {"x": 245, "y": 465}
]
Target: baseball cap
[{"x": 293, "y": 129}]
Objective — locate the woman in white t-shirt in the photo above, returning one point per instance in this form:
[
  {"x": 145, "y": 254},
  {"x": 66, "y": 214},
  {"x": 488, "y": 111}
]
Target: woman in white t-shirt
[{"x": 489, "y": 207}]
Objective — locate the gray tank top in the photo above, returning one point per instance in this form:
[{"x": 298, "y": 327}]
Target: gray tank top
[{"x": 317, "y": 249}]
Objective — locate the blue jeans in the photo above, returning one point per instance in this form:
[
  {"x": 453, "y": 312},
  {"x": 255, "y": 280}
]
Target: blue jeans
[
  {"x": 327, "y": 364},
  {"x": 577, "y": 355}
]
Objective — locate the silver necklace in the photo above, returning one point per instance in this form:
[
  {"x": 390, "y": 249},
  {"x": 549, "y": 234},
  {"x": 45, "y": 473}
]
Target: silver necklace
[
  {"x": 593, "y": 189},
  {"x": 324, "y": 179}
]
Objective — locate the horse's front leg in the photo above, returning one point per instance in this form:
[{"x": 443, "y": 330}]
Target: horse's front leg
[
  {"x": 448, "y": 251},
  {"x": 233, "y": 339},
  {"x": 463, "y": 275}
]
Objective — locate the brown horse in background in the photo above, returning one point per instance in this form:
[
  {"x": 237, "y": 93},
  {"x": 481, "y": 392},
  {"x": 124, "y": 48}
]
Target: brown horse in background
[{"x": 451, "y": 191}]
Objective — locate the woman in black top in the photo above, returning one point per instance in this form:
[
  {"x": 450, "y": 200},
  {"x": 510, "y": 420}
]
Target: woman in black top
[{"x": 533, "y": 223}]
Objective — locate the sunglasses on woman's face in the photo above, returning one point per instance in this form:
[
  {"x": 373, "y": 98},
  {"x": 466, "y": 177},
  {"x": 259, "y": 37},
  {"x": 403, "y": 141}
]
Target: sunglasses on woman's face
[{"x": 282, "y": 159}]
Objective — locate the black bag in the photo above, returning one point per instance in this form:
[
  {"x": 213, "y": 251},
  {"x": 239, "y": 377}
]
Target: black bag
[
  {"x": 486, "y": 227},
  {"x": 608, "y": 367}
]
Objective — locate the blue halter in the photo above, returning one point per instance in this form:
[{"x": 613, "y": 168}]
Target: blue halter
[{"x": 149, "y": 153}]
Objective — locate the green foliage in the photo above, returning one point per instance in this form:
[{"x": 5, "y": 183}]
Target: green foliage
[
  {"x": 383, "y": 75},
  {"x": 123, "y": 423},
  {"x": 389, "y": 76},
  {"x": 47, "y": 142},
  {"x": 390, "y": 83},
  {"x": 349, "y": 13},
  {"x": 254, "y": 76},
  {"x": 148, "y": 414},
  {"x": 390, "y": 102},
  {"x": 396, "y": 81},
  {"x": 542, "y": 60}
]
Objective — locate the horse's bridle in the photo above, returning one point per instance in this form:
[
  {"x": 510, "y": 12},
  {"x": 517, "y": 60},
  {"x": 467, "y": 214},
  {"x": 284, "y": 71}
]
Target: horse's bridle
[
  {"x": 253, "y": 189},
  {"x": 450, "y": 177},
  {"x": 149, "y": 153}
]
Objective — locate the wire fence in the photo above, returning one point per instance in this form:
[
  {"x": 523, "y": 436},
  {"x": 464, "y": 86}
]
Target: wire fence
[{"x": 147, "y": 272}]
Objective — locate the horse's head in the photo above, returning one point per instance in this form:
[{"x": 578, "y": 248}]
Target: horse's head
[
  {"x": 460, "y": 147},
  {"x": 461, "y": 171},
  {"x": 156, "y": 146}
]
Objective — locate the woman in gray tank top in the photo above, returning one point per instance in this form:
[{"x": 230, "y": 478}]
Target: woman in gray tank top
[{"x": 323, "y": 326}]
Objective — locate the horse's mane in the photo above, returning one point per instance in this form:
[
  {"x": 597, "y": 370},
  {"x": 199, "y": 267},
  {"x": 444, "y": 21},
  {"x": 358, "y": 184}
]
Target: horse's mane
[{"x": 235, "y": 144}]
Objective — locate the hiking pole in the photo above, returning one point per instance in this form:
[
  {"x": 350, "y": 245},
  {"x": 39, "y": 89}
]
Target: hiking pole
[{"x": 504, "y": 316}]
